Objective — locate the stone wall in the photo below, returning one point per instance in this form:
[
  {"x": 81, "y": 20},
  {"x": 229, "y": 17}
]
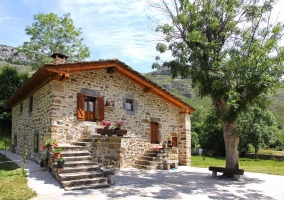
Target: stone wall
[
  {"x": 122, "y": 152},
  {"x": 25, "y": 125},
  {"x": 55, "y": 112},
  {"x": 114, "y": 88}
]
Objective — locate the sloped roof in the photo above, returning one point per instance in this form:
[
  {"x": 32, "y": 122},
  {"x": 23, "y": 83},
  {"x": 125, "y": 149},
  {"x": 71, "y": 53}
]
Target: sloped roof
[{"x": 60, "y": 72}]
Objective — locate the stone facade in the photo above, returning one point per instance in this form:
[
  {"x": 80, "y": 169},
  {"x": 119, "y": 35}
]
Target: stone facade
[
  {"x": 122, "y": 152},
  {"x": 55, "y": 115}
]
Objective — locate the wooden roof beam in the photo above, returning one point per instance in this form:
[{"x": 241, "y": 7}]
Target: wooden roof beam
[
  {"x": 77, "y": 67},
  {"x": 111, "y": 70},
  {"x": 148, "y": 89}
]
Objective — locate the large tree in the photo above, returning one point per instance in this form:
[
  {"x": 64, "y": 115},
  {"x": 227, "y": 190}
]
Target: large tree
[
  {"x": 52, "y": 34},
  {"x": 256, "y": 127},
  {"x": 10, "y": 81},
  {"x": 231, "y": 51}
]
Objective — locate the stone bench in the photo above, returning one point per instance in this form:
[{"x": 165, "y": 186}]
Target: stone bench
[
  {"x": 230, "y": 171},
  {"x": 108, "y": 174},
  {"x": 168, "y": 164}
]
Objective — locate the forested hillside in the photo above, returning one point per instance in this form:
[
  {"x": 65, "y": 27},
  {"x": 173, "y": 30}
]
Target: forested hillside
[{"x": 180, "y": 87}]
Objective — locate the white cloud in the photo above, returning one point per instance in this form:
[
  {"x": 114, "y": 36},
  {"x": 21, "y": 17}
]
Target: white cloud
[
  {"x": 6, "y": 19},
  {"x": 114, "y": 28}
]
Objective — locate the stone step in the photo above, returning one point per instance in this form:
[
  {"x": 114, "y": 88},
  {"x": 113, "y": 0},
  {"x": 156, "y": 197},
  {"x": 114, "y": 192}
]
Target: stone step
[
  {"x": 146, "y": 162},
  {"x": 89, "y": 186},
  {"x": 84, "y": 144},
  {"x": 86, "y": 140},
  {"x": 78, "y": 158},
  {"x": 150, "y": 154},
  {"x": 86, "y": 181},
  {"x": 80, "y": 175},
  {"x": 77, "y": 163},
  {"x": 71, "y": 147},
  {"x": 145, "y": 167},
  {"x": 66, "y": 154},
  {"x": 142, "y": 162},
  {"x": 86, "y": 168},
  {"x": 152, "y": 151},
  {"x": 148, "y": 158}
]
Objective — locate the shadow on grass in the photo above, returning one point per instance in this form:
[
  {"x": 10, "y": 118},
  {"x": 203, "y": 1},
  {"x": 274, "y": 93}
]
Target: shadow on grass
[{"x": 6, "y": 164}]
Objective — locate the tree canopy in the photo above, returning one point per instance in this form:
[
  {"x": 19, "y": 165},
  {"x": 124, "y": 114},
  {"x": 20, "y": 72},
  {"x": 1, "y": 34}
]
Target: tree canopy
[
  {"x": 10, "y": 81},
  {"x": 231, "y": 51},
  {"x": 256, "y": 127},
  {"x": 52, "y": 34}
]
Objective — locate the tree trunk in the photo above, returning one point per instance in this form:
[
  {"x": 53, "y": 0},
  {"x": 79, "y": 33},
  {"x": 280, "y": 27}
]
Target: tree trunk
[
  {"x": 231, "y": 145},
  {"x": 256, "y": 149},
  {"x": 231, "y": 140}
]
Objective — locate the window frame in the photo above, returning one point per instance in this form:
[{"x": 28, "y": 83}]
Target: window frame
[
  {"x": 98, "y": 109},
  {"x": 21, "y": 108},
  {"x": 31, "y": 102},
  {"x": 131, "y": 102},
  {"x": 87, "y": 110},
  {"x": 36, "y": 142}
]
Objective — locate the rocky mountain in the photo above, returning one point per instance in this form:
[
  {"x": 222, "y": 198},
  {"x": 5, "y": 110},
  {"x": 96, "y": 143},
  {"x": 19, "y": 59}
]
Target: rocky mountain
[
  {"x": 8, "y": 52},
  {"x": 11, "y": 56},
  {"x": 179, "y": 87}
]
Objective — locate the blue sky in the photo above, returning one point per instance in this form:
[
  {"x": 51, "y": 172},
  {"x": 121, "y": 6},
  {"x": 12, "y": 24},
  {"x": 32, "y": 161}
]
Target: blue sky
[{"x": 111, "y": 28}]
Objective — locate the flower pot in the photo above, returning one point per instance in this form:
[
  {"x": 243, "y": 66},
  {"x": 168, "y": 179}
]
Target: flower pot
[
  {"x": 56, "y": 155},
  {"x": 60, "y": 164},
  {"x": 106, "y": 127},
  {"x": 164, "y": 146}
]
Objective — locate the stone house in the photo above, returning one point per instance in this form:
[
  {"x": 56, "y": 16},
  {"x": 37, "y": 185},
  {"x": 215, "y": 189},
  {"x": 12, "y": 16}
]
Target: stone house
[{"x": 68, "y": 101}]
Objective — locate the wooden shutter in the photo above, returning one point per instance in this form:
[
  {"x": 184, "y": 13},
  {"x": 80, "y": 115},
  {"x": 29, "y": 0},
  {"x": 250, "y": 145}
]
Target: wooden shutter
[
  {"x": 154, "y": 133},
  {"x": 80, "y": 106},
  {"x": 174, "y": 140},
  {"x": 100, "y": 101}
]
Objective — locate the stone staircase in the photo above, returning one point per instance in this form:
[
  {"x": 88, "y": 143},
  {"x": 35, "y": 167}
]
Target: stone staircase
[
  {"x": 80, "y": 170},
  {"x": 150, "y": 160}
]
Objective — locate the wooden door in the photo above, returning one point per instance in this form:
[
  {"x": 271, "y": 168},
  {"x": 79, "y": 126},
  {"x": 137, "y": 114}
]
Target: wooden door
[
  {"x": 154, "y": 133},
  {"x": 175, "y": 144}
]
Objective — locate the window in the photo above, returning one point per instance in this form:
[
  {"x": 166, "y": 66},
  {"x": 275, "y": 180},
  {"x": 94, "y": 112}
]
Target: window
[
  {"x": 36, "y": 145},
  {"x": 90, "y": 108},
  {"x": 21, "y": 108},
  {"x": 129, "y": 104},
  {"x": 31, "y": 100}
]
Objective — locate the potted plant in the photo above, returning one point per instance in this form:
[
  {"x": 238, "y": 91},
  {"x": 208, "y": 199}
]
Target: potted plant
[
  {"x": 60, "y": 162},
  {"x": 106, "y": 124},
  {"x": 119, "y": 125},
  {"x": 164, "y": 144},
  {"x": 56, "y": 152},
  {"x": 48, "y": 143},
  {"x": 169, "y": 140}
]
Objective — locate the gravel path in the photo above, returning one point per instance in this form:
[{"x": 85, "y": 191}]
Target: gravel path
[{"x": 183, "y": 183}]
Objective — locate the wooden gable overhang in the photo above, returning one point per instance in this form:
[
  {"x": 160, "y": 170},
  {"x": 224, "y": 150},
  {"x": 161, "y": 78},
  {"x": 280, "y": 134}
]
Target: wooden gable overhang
[{"x": 61, "y": 73}]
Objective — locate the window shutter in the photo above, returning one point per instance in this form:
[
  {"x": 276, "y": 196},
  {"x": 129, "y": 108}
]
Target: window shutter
[
  {"x": 101, "y": 115},
  {"x": 80, "y": 105}
]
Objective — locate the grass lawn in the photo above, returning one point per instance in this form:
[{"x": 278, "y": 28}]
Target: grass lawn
[
  {"x": 13, "y": 185},
  {"x": 249, "y": 165},
  {"x": 3, "y": 138}
]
